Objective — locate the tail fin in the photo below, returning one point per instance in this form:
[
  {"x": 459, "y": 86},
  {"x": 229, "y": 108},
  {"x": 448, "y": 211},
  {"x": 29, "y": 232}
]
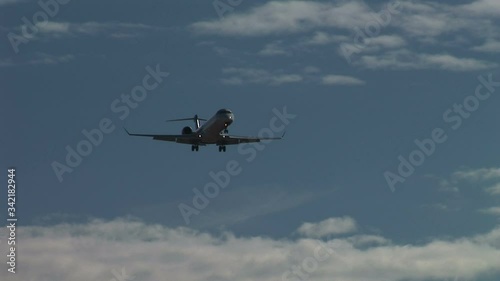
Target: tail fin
[{"x": 195, "y": 119}]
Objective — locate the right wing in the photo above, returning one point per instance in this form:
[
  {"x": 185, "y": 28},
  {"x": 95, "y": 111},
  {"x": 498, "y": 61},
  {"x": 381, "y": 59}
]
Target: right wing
[{"x": 228, "y": 140}]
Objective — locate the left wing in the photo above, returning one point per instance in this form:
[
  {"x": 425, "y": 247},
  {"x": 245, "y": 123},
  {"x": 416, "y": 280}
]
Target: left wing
[
  {"x": 228, "y": 140},
  {"x": 189, "y": 139}
]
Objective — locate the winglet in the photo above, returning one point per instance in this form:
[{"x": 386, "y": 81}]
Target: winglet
[
  {"x": 126, "y": 131},
  {"x": 282, "y": 136}
]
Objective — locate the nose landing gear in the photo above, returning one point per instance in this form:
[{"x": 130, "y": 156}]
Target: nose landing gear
[
  {"x": 222, "y": 148},
  {"x": 194, "y": 148}
]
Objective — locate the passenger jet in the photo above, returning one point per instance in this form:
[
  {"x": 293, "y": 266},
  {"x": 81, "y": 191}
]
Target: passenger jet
[{"x": 213, "y": 131}]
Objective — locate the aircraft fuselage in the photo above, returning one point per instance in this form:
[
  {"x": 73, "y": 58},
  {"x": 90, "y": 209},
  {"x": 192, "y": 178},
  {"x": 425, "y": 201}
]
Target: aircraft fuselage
[{"x": 210, "y": 131}]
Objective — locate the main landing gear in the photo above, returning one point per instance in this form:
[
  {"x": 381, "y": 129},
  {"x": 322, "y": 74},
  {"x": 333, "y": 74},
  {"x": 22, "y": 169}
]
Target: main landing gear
[
  {"x": 194, "y": 148},
  {"x": 222, "y": 148}
]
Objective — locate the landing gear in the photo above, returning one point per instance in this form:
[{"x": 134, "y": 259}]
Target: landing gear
[
  {"x": 222, "y": 148},
  {"x": 226, "y": 131},
  {"x": 194, "y": 148}
]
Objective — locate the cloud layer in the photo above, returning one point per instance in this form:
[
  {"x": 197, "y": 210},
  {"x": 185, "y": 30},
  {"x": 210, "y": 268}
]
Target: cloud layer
[
  {"x": 98, "y": 250},
  {"x": 400, "y": 35}
]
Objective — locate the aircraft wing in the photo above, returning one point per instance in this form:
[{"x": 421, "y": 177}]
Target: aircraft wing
[
  {"x": 228, "y": 140},
  {"x": 189, "y": 139}
]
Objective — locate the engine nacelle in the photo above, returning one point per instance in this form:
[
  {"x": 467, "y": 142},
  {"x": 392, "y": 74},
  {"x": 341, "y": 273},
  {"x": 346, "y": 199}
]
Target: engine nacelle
[{"x": 187, "y": 130}]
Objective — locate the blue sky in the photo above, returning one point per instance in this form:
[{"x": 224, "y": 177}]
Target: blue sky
[{"x": 362, "y": 89}]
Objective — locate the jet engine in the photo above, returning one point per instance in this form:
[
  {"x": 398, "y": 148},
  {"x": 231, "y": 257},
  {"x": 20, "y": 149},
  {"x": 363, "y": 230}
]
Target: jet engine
[{"x": 187, "y": 130}]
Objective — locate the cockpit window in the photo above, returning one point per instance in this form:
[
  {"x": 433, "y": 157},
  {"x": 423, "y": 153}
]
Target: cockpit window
[{"x": 224, "y": 111}]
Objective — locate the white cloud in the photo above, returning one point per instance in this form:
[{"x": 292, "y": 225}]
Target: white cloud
[
  {"x": 328, "y": 227},
  {"x": 340, "y": 80},
  {"x": 148, "y": 252},
  {"x": 387, "y": 41},
  {"x": 404, "y": 59},
  {"x": 273, "y": 49},
  {"x": 423, "y": 19},
  {"x": 53, "y": 27},
  {"x": 375, "y": 44},
  {"x": 414, "y": 25},
  {"x": 490, "y": 46},
  {"x": 486, "y": 178},
  {"x": 494, "y": 190},
  {"x": 483, "y": 7},
  {"x": 276, "y": 17},
  {"x": 449, "y": 62},
  {"x": 491, "y": 211},
  {"x": 285, "y": 78},
  {"x": 429, "y": 20},
  {"x": 477, "y": 175},
  {"x": 241, "y": 76},
  {"x": 323, "y": 38}
]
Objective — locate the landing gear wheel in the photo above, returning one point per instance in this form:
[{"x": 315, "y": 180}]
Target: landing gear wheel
[
  {"x": 222, "y": 148},
  {"x": 194, "y": 148},
  {"x": 226, "y": 131}
]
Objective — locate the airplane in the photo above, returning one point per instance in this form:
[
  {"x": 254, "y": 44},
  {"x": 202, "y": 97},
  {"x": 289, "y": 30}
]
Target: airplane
[{"x": 213, "y": 131}]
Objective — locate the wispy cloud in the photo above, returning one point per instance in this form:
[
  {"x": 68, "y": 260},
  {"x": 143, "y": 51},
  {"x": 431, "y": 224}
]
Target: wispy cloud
[
  {"x": 483, "y": 7},
  {"x": 239, "y": 205},
  {"x": 478, "y": 175},
  {"x": 494, "y": 190},
  {"x": 239, "y": 76},
  {"x": 482, "y": 179},
  {"x": 311, "y": 69},
  {"x": 488, "y": 178},
  {"x": 323, "y": 38},
  {"x": 376, "y": 44},
  {"x": 490, "y": 46},
  {"x": 38, "y": 58},
  {"x": 491, "y": 211},
  {"x": 328, "y": 227},
  {"x": 273, "y": 49},
  {"x": 405, "y": 59},
  {"x": 52, "y": 29},
  {"x": 310, "y": 74},
  {"x": 340, "y": 80}
]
